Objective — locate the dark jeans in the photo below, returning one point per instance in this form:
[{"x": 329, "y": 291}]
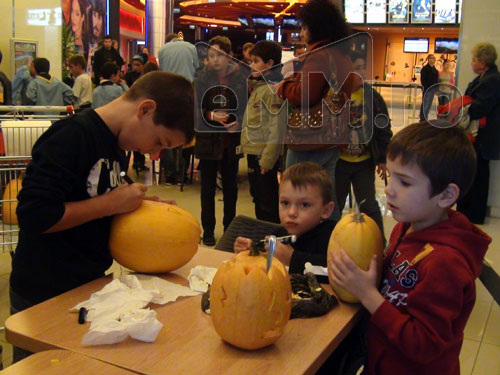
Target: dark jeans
[
  {"x": 427, "y": 99},
  {"x": 264, "y": 190},
  {"x": 475, "y": 202},
  {"x": 139, "y": 159},
  {"x": 18, "y": 303},
  {"x": 208, "y": 174},
  {"x": 362, "y": 177}
]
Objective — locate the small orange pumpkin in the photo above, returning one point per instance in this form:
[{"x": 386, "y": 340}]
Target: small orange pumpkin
[
  {"x": 157, "y": 237},
  {"x": 360, "y": 237},
  {"x": 9, "y": 204},
  {"x": 250, "y": 308}
]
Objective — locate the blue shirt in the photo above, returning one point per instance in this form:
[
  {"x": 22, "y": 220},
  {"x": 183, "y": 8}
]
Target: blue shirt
[{"x": 178, "y": 56}]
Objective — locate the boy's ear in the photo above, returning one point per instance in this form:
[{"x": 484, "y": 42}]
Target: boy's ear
[
  {"x": 449, "y": 196},
  {"x": 327, "y": 210},
  {"x": 145, "y": 106},
  {"x": 270, "y": 63}
]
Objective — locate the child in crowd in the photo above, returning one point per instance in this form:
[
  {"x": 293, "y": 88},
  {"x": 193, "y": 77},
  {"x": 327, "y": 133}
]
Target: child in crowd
[
  {"x": 264, "y": 125},
  {"x": 45, "y": 89},
  {"x": 111, "y": 86},
  {"x": 73, "y": 182},
  {"x": 370, "y": 133},
  {"x": 82, "y": 86},
  {"x": 221, "y": 97},
  {"x": 419, "y": 312},
  {"x": 305, "y": 196}
]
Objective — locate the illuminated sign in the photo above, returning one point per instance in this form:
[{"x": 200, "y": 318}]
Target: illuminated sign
[
  {"x": 354, "y": 11},
  {"x": 132, "y": 22},
  {"x": 398, "y": 11},
  {"x": 375, "y": 11},
  {"x": 44, "y": 17},
  {"x": 445, "y": 11}
]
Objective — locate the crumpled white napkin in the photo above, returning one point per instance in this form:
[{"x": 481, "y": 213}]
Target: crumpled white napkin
[
  {"x": 317, "y": 270},
  {"x": 200, "y": 277},
  {"x": 117, "y": 310}
]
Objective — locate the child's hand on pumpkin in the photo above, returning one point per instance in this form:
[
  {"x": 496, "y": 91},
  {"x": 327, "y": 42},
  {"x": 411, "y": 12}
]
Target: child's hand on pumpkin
[
  {"x": 344, "y": 272},
  {"x": 242, "y": 244},
  {"x": 283, "y": 253},
  {"x": 127, "y": 198}
]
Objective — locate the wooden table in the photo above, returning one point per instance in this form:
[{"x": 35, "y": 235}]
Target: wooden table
[
  {"x": 187, "y": 343},
  {"x": 62, "y": 362}
]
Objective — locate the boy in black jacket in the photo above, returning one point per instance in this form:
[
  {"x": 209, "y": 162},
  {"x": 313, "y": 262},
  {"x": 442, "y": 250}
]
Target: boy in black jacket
[
  {"x": 305, "y": 206},
  {"x": 73, "y": 187}
]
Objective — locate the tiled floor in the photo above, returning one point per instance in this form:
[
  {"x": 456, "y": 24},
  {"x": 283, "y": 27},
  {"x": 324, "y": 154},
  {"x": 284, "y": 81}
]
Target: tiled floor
[{"x": 481, "y": 350}]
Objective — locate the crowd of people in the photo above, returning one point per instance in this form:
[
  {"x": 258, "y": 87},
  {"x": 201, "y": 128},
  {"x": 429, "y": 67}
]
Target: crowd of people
[{"x": 258, "y": 108}]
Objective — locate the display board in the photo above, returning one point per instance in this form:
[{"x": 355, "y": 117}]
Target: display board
[
  {"x": 416, "y": 45},
  {"x": 22, "y": 52},
  {"x": 354, "y": 11},
  {"x": 376, "y": 11},
  {"x": 398, "y": 11},
  {"x": 445, "y": 11},
  {"x": 422, "y": 11}
]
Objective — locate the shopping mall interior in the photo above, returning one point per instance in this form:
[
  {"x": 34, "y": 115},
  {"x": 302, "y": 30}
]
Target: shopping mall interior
[{"x": 402, "y": 34}]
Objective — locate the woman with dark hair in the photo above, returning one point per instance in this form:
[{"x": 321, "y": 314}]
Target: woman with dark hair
[
  {"x": 78, "y": 24},
  {"x": 323, "y": 26}
]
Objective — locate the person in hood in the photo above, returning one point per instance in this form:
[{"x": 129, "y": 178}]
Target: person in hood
[
  {"x": 264, "y": 125},
  {"x": 221, "y": 97},
  {"x": 419, "y": 312}
]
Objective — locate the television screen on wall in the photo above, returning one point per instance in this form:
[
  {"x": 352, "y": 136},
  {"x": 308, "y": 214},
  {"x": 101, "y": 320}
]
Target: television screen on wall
[
  {"x": 445, "y": 11},
  {"x": 445, "y": 45},
  {"x": 261, "y": 21},
  {"x": 416, "y": 45},
  {"x": 398, "y": 11},
  {"x": 376, "y": 11},
  {"x": 354, "y": 11},
  {"x": 291, "y": 23}
]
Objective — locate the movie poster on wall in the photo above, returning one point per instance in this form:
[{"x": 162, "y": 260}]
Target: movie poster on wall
[
  {"x": 376, "y": 11},
  {"x": 422, "y": 11},
  {"x": 354, "y": 11},
  {"x": 84, "y": 25},
  {"x": 445, "y": 11},
  {"x": 398, "y": 11}
]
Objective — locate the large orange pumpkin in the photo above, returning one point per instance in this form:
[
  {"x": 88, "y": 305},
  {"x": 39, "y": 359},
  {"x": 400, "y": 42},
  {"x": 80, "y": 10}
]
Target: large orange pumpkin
[
  {"x": 360, "y": 237},
  {"x": 250, "y": 308},
  {"x": 9, "y": 208},
  {"x": 157, "y": 237}
]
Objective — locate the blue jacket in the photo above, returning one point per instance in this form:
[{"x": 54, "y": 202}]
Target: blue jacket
[
  {"x": 42, "y": 91},
  {"x": 106, "y": 92},
  {"x": 178, "y": 56}
]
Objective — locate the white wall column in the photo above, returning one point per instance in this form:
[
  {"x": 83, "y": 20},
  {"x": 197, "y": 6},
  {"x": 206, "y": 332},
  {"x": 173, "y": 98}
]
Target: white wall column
[
  {"x": 480, "y": 24},
  {"x": 156, "y": 15}
]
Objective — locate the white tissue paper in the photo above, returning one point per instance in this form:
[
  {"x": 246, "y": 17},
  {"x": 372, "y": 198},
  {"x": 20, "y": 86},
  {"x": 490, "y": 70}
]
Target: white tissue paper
[
  {"x": 117, "y": 310},
  {"x": 317, "y": 270},
  {"x": 200, "y": 278}
]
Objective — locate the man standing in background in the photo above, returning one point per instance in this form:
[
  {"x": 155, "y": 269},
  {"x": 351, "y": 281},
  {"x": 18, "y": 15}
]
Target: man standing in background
[
  {"x": 106, "y": 54},
  {"x": 176, "y": 56},
  {"x": 96, "y": 14}
]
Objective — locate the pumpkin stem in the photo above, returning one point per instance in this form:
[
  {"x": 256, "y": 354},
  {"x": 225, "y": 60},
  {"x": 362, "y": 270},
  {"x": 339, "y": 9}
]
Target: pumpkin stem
[
  {"x": 358, "y": 216},
  {"x": 254, "y": 250}
]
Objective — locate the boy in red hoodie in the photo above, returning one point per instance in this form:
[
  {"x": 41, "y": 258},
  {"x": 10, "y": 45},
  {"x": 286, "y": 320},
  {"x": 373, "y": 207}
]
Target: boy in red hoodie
[{"x": 419, "y": 312}]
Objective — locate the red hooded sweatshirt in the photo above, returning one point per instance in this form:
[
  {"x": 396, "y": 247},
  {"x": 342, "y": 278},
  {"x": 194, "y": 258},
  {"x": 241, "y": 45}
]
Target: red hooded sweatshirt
[{"x": 428, "y": 281}]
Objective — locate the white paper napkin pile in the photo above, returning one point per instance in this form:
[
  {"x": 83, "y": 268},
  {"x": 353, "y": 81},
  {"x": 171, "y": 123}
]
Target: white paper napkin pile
[
  {"x": 118, "y": 310},
  {"x": 200, "y": 277}
]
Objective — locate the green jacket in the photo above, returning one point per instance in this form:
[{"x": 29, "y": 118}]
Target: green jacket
[{"x": 264, "y": 124}]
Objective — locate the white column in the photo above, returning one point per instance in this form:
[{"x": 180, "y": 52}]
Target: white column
[
  {"x": 156, "y": 14},
  {"x": 479, "y": 24}
]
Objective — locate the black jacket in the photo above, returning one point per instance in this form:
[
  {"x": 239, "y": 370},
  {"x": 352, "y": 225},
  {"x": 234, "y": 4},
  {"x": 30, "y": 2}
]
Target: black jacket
[
  {"x": 428, "y": 76},
  {"x": 102, "y": 56},
  {"x": 381, "y": 134},
  {"x": 211, "y": 137},
  {"x": 7, "y": 89},
  {"x": 485, "y": 90}
]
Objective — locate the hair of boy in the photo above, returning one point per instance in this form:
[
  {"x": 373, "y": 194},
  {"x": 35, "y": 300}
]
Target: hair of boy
[
  {"x": 247, "y": 45},
  {"x": 42, "y": 67},
  {"x": 141, "y": 57},
  {"x": 355, "y": 55},
  {"x": 108, "y": 69},
  {"x": 485, "y": 52},
  {"x": 307, "y": 173},
  {"x": 107, "y": 37},
  {"x": 223, "y": 42},
  {"x": 442, "y": 151},
  {"x": 171, "y": 36},
  {"x": 174, "y": 97},
  {"x": 78, "y": 60},
  {"x": 267, "y": 50},
  {"x": 150, "y": 67}
]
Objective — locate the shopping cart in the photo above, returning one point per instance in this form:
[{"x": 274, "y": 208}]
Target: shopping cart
[{"x": 20, "y": 127}]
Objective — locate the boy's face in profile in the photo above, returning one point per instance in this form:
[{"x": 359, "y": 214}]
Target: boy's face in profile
[
  {"x": 301, "y": 209},
  {"x": 217, "y": 58},
  {"x": 409, "y": 198},
  {"x": 259, "y": 66}
]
